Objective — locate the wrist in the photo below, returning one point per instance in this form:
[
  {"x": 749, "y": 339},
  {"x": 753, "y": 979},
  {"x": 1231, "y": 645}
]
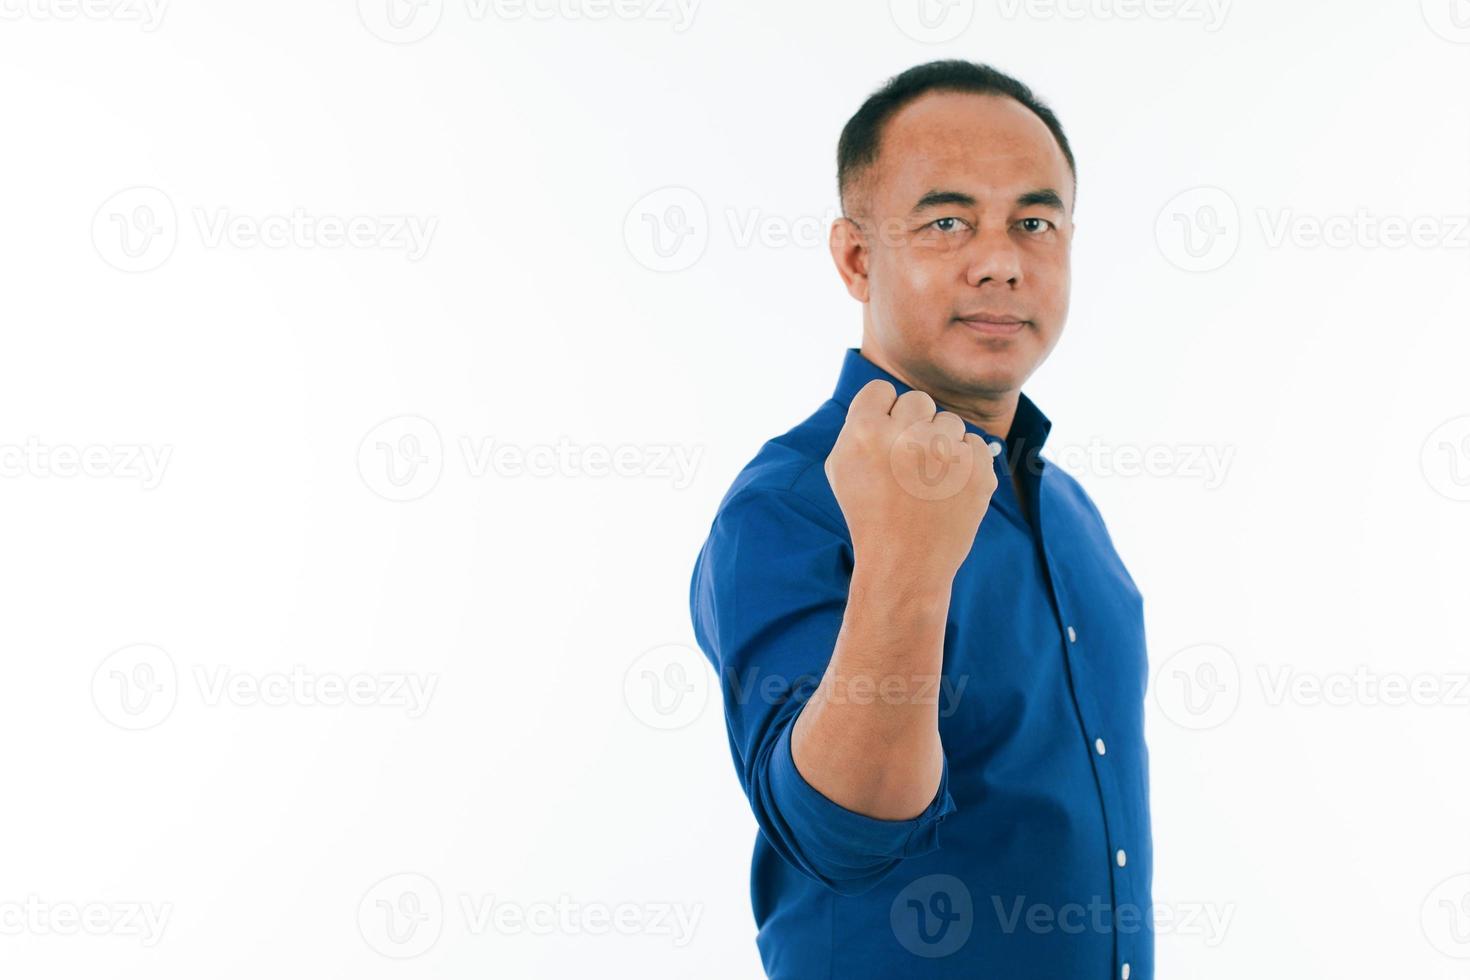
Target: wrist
[{"x": 894, "y": 584}]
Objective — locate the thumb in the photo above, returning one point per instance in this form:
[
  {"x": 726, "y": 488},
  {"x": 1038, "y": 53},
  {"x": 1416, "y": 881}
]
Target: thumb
[{"x": 982, "y": 474}]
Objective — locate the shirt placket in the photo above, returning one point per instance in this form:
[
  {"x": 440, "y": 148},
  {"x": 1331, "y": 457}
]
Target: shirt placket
[{"x": 1076, "y": 650}]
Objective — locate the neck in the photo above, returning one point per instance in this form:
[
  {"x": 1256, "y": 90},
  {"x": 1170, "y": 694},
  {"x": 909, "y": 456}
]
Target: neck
[
  {"x": 993, "y": 417},
  {"x": 992, "y": 412}
]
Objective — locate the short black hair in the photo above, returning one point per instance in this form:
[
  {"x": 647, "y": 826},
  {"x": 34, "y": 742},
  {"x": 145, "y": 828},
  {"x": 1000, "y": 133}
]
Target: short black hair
[{"x": 857, "y": 148}]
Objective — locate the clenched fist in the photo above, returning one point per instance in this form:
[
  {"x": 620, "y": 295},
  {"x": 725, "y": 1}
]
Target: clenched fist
[{"x": 912, "y": 484}]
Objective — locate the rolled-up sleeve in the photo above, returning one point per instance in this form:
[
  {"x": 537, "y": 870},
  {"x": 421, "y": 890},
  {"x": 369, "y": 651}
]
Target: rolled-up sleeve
[{"x": 767, "y": 598}]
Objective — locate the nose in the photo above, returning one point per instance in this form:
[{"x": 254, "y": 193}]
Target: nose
[{"x": 993, "y": 258}]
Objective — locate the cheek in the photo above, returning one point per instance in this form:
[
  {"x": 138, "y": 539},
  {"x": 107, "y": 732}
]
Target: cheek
[
  {"x": 1062, "y": 297},
  {"x": 1052, "y": 277},
  {"x": 920, "y": 282},
  {"x": 909, "y": 286}
]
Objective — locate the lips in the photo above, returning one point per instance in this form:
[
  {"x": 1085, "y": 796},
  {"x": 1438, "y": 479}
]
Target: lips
[{"x": 993, "y": 323}]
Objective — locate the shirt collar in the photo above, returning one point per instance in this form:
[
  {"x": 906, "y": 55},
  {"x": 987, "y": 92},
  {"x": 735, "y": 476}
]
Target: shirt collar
[{"x": 1029, "y": 428}]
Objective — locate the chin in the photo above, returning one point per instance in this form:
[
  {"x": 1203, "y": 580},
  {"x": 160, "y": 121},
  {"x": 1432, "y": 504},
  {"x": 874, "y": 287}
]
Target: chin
[
  {"x": 987, "y": 371},
  {"x": 996, "y": 382}
]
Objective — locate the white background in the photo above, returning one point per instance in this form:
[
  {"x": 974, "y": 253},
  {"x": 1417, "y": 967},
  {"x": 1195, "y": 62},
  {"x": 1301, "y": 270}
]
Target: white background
[{"x": 271, "y": 384}]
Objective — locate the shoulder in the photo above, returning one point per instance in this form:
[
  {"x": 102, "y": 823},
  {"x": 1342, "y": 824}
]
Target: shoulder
[
  {"x": 1068, "y": 490},
  {"x": 778, "y": 536},
  {"x": 786, "y": 476},
  {"x": 1089, "y": 538}
]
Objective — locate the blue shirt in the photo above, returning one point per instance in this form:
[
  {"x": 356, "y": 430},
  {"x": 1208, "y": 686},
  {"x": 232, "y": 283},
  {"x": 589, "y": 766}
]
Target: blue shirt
[{"x": 1034, "y": 860}]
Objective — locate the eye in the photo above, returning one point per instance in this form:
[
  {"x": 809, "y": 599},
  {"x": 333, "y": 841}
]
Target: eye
[
  {"x": 946, "y": 225},
  {"x": 1036, "y": 226}
]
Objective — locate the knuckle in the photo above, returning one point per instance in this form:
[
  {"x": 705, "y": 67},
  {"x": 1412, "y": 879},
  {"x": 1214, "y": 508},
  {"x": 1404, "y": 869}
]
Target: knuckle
[{"x": 918, "y": 398}]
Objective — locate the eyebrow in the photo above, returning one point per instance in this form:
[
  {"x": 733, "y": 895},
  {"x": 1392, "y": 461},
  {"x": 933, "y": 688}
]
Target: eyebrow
[{"x": 1041, "y": 197}]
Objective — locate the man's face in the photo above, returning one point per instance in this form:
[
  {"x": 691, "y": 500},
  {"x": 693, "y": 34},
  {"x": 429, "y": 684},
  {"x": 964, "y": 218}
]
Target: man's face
[{"x": 965, "y": 216}]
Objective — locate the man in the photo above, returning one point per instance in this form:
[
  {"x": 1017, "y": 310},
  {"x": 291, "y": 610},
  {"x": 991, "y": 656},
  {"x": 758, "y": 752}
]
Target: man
[{"x": 932, "y": 659}]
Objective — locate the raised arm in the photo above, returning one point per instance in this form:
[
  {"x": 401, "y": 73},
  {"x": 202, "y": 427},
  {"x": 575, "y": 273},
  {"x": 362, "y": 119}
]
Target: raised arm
[{"x": 913, "y": 486}]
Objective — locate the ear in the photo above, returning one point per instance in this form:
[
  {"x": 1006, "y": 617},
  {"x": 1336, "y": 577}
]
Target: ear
[{"x": 850, "y": 253}]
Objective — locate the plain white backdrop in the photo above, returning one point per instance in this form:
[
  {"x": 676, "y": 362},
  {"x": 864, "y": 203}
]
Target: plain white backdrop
[{"x": 371, "y": 373}]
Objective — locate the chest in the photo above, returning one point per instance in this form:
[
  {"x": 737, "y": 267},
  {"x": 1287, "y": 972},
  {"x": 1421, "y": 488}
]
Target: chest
[{"x": 1045, "y": 623}]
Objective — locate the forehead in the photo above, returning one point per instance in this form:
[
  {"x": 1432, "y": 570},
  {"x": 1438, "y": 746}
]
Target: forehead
[{"x": 985, "y": 145}]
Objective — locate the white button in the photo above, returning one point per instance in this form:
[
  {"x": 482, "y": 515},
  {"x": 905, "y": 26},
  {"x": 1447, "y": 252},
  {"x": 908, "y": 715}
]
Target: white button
[
  {"x": 1126, "y": 970},
  {"x": 1071, "y": 634},
  {"x": 1101, "y": 746},
  {"x": 995, "y": 449},
  {"x": 1122, "y": 857}
]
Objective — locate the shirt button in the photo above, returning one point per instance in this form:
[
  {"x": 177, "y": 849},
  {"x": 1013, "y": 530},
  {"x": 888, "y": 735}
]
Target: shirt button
[
  {"x": 1071, "y": 634},
  {"x": 1101, "y": 746},
  {"x": 995, "y": 449},
  {"x": 1122, "y": 857},
  {"x": 1126, "y": 970}
]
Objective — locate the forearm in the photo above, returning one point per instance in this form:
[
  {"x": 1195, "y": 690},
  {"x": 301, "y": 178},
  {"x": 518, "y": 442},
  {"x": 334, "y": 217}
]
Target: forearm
[{"x": 868, "y": 738}]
